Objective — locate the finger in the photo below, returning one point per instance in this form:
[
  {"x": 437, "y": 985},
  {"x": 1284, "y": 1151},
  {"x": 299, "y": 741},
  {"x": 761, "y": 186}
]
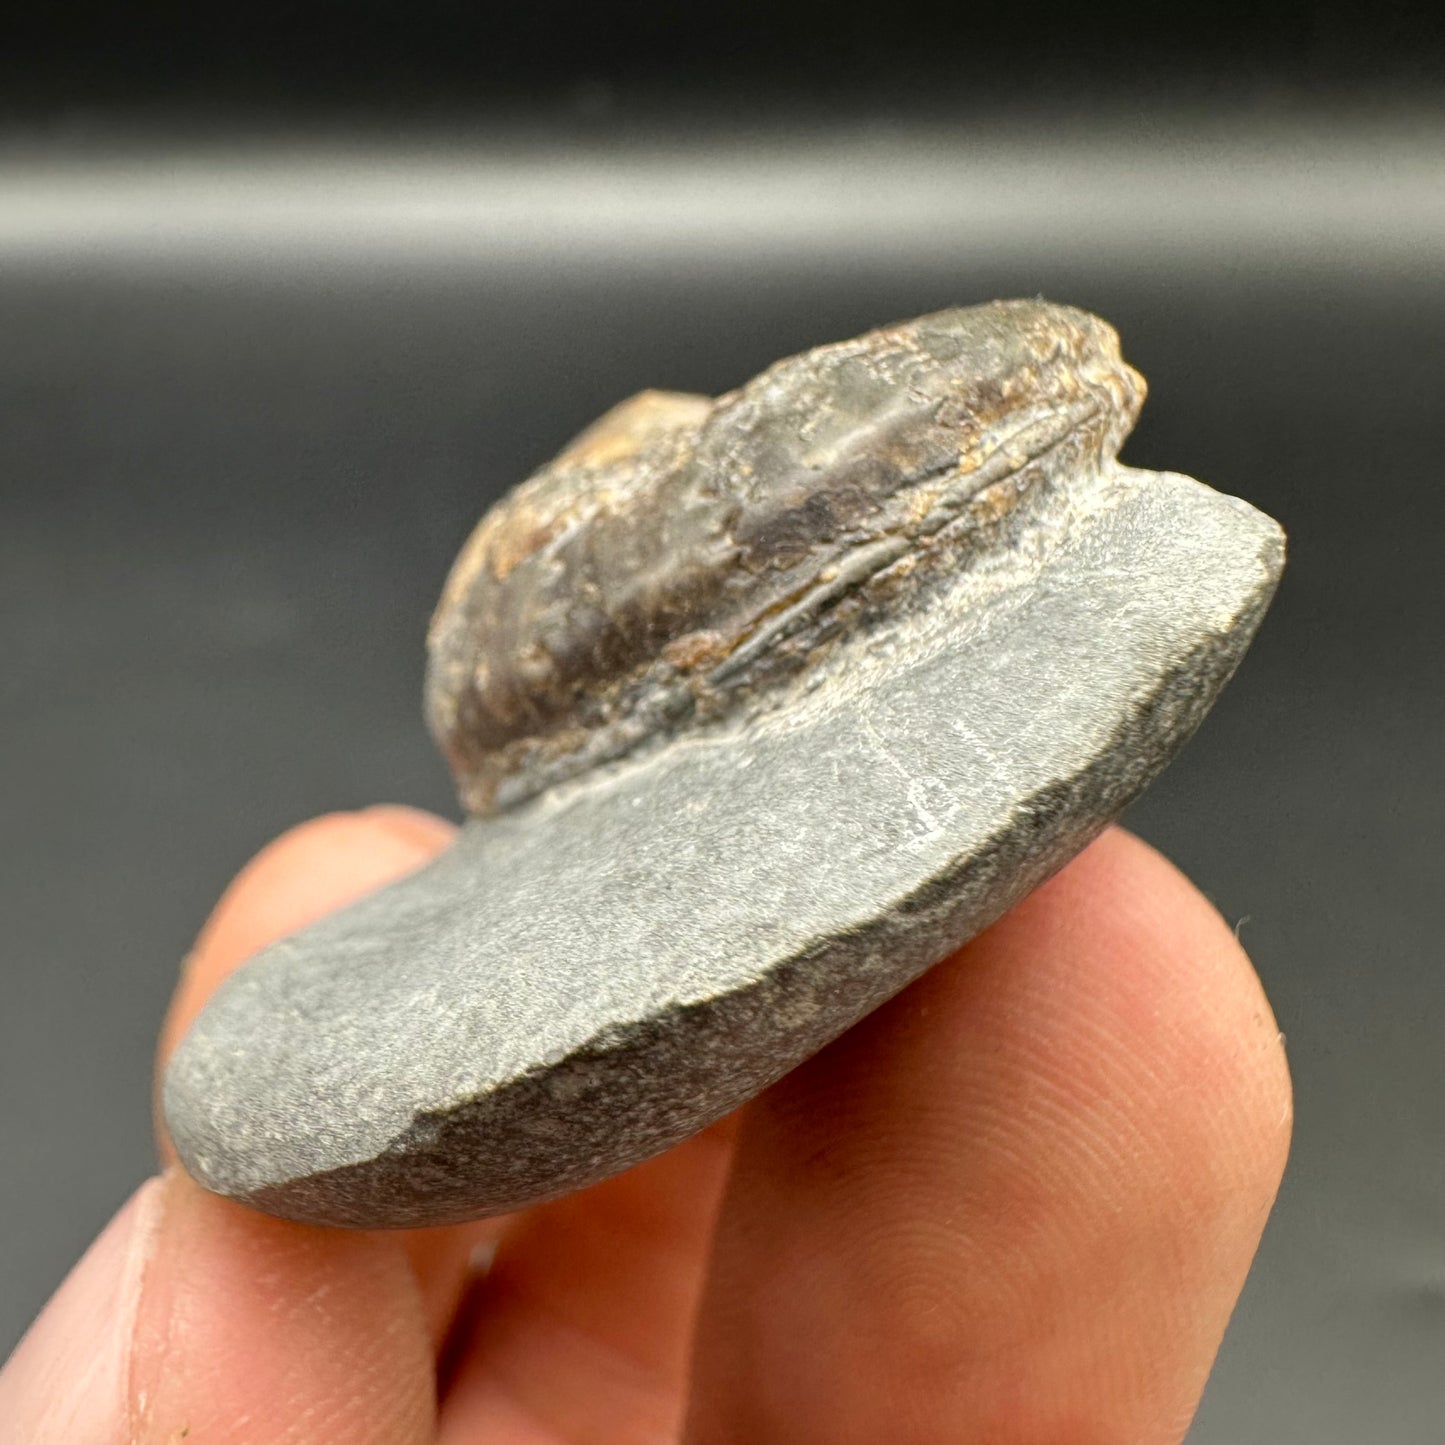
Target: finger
[
  {"x": 1018, "y": 1203},
  {"x": 255, "y": 1331},
  {"x": 582, "y": 1330},
  {"x": 310, "y": 871},
  {"x": 191, "y": 1315},
  {"x": 250, "y": 1328},
  {"x": 67, "y": 1380}
]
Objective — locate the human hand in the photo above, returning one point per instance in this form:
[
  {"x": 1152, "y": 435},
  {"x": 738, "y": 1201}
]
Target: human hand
[{"x": 1015, "y": 1205}]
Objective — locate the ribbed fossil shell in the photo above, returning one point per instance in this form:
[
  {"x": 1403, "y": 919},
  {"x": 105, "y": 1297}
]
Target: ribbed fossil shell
[{"x": 683, "y": 556}]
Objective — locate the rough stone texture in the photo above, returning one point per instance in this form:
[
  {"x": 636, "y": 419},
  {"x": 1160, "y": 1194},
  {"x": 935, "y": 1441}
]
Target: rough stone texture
[{"x": 609, "y": 964}]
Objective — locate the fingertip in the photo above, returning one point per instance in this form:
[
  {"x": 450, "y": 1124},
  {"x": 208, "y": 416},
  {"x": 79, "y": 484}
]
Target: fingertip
[
  {"x": 1180, "y": 983},
  {"x": 1023, "y": 1196},
  {"x": 428, "y": 830},
  {"x": 257, "y": 1320},
  {"x": 252, "y": 1328},
  {"x": 68, "y": 1378},
  {"x": 309, "y": 871}
]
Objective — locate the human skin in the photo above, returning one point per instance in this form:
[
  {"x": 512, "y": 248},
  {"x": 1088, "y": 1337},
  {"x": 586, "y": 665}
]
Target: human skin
[{"x": 1015, "y": 1205}]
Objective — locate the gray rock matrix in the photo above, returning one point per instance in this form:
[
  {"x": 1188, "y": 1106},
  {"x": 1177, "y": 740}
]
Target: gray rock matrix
[{"x": 761, "y": 707}]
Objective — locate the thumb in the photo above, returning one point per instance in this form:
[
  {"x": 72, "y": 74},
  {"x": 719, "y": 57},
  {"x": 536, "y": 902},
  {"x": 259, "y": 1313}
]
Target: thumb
[
  {"x": 68, "y": 1378},
  {"x": 192, "y": 1316}
]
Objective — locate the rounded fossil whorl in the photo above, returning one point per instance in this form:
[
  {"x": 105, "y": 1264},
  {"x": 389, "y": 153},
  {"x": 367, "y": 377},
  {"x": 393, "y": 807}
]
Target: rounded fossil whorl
[{"x": 684, "y": 553}]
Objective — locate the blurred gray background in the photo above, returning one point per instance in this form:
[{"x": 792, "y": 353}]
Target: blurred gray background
[{"x": 260, "y": 371}]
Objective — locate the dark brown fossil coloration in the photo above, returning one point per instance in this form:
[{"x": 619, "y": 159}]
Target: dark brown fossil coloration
[{"x": 681, "y": 554}]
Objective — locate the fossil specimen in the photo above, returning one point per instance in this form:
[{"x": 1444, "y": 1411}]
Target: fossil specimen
[{"x": 760, "y": 706}]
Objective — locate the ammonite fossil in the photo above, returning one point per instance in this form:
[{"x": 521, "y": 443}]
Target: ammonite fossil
[{"x": 759, "y": 707}]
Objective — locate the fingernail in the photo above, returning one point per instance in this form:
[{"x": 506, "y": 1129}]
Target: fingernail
[{"x": 67, "y": 1379}]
